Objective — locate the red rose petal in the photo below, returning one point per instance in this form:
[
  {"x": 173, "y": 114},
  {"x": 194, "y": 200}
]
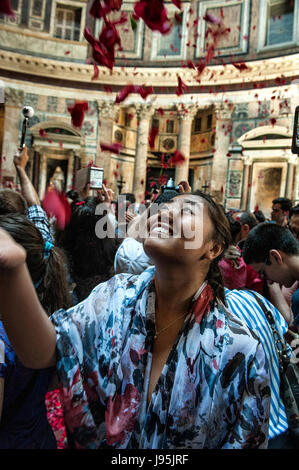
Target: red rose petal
[
  {"x": 177, "y": 159},
  {"x": 241, "y": 66},
  {"x": 5, "y": 8},
  {"x": 55, "y": 204},
  {"x": 77, "y": 113},
  {"x": 152, "y": 136},
  {"x": 42, "y": 133},
  {"x": 209, "y": 18},
  {"x": 154, "y": 14},
  {"x": 182, "y": 87},
  {"x": 113, "y": 148},
  {"x": 96, "y": 72},
  {"x": 128, "y": 89}
]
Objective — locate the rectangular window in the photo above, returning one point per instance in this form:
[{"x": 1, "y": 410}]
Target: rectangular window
[
  {"x": 209, "y": 121},
  {"x": 280, "y": 22},
  {"x": 37, "y": 8},
  {"x": 67, "y": 23},
  {"x": 155, "y": 123},
  {"x": 197, "y": 124},
  {"x": 170, "y": 127},
  {"x": 128, "y": 118},
  {"x": 170, "y": 44},
  {"x": 173, "y": 46}
]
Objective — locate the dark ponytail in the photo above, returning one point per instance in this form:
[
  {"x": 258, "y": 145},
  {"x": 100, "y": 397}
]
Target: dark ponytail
[
  {"x": 53, "y": 291},
  {"x": 48, "y": 271}
]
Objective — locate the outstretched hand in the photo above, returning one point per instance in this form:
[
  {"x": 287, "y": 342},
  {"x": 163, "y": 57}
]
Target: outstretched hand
[
  {"x": 12, "y": 255},
  {"x": 21, "y": 158},
  {"x": 184, "y": 187}
]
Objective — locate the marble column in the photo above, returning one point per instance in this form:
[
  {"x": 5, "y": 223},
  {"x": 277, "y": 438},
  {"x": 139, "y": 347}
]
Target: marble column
[
  {"x": 14, "y": 100},
  {"x": 42, "y": 175},
  {"x": 245, "y": 188},
  {"x": 107, "y": 112},
  {"x": 292, "y": 163},
  {"x": 223, "y": 113},
  {"x": 144, "y": 113},
  {"x": 185, "y": 117},
  {"x": 70, "y": 170}
]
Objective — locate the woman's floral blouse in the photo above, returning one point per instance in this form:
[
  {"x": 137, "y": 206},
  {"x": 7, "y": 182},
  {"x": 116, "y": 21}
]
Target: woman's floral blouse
[{"x": 213, "y": 391}]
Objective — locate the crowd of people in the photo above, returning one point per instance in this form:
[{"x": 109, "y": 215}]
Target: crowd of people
[{"x": 134, "y": 341}]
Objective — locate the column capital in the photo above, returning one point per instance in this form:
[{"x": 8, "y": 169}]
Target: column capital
[
  {"x": 186, "y": 112},
  {"x": 107, "y": 109},
  {"x": 14, "y": 97},
  {"x": 248, "y": 160},
  {"x": 293, "y": 160},
  {"x": 223, "y": 110},
  {"x": 144, "y": 111}
]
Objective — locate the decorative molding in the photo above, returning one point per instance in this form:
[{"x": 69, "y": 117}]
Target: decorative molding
[
  {"x": 242, "y": 46},
  {"x": 137, "y": 52},
  {"x": 14, "y": 97},
  {"x": 263, "y": 17},
  {"x": 107, "y": 109},
  {"x": 144, "y": 111},
  {"x": 186, "y": 112},
  {"x": 223, "y": 111},
  {"x": 158, "y": 37},
  {"x": 264, "y": 130},
  {"x": 258, "y": 71}
]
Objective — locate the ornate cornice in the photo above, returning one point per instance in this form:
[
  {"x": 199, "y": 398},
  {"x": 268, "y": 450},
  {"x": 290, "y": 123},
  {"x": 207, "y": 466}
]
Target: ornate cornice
[{"x": 219, "y": 75}]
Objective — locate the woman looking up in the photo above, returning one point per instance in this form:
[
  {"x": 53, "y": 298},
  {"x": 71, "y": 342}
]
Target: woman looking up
[{"x": 150, "y": 361}]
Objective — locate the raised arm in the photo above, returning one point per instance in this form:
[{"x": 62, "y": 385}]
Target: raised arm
[
  {"x": 27, "y": 188},
  {"x": 29, "y": 329}
]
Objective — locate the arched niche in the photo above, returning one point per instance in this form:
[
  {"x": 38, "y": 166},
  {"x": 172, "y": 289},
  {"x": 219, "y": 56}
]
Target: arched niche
[
  {"x": 269, "y": 166},
  {"x": 54, "y": 144}
]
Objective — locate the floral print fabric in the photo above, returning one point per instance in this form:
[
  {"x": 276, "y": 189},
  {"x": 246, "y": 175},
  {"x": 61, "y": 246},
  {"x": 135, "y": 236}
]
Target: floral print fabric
[{"x": 213, "y": 391}]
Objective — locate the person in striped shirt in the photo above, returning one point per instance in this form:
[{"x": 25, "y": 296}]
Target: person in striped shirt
[{"x": 243, "y": 304}]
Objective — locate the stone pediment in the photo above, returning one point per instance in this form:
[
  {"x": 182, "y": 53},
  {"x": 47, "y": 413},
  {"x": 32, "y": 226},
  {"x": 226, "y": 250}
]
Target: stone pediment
[
  {"x": 265, "y": 137},
  {"x": 54, "y": 132}
]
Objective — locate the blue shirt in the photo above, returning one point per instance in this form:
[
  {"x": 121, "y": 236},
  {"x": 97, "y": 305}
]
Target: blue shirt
[
  {"x": 245, "y": 307},
  {"x": 28, "y": 427}
]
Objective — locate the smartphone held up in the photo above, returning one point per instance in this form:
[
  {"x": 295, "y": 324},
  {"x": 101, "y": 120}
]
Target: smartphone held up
[{"x": 91, "y": 175}]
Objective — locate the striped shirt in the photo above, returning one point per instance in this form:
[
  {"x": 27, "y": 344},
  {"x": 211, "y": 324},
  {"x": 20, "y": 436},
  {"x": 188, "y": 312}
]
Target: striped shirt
[{"x": 245, "y": 307}]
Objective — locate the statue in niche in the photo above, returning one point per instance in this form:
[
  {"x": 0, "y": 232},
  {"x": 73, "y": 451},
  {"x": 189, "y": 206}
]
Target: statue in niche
[{"x": 57, "y": 180}]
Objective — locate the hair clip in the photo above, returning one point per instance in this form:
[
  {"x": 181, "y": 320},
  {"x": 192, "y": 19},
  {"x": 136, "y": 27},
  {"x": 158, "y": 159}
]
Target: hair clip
[{"x": 47, "y": 249}]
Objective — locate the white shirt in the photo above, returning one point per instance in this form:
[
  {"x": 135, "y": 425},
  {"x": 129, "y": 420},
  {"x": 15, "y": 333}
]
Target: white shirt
[{"x": 131, "y": 258}]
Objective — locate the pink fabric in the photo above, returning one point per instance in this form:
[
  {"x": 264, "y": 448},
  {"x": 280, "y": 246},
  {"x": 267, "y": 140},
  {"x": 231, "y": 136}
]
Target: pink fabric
[
  {"x": 237, "y": 275},
  {"x": 55, "y": 417},
  {"x": 234, "y": 273}
]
